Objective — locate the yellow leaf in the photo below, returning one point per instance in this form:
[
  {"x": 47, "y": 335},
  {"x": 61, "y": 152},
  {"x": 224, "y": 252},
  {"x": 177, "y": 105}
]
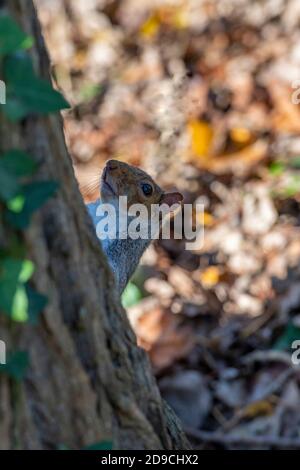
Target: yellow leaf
[
  {"x": 240, "y": 135},
  {"x": 150, "y": 27},
  {"x": 180, "y": 20},
  {"x": 210, "y": 276},
  {"x": 261, "y": 407},
  {"x": 202, "y": 218},
  {"x": 208, "y": 219},
  {"x": 201, "y": 135}
]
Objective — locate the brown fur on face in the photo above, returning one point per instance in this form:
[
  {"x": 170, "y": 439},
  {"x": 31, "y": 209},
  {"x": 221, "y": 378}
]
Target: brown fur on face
[{"x": 120, "y": 179}]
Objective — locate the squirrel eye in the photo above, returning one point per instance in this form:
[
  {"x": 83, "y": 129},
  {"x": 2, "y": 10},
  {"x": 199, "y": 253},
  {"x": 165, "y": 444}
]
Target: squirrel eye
[{"x": 147, "y": 189}]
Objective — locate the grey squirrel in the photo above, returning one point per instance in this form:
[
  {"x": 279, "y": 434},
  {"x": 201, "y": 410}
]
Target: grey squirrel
[{"x": 120, "y": 179}]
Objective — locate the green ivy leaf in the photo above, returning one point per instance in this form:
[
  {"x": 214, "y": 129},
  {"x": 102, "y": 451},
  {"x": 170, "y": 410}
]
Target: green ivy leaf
[
  {"x": 18, "y": 299},
  {"x": 36, "y": 303},
  {"x": 14, "y": 109},
  {"x": 12, "y": 37},
  {"x": 17, "y": 67},
  {"x": 290, "y": 333},
  {"x": 16, "y": 365},
  {"x": 16, "y": 204},
  {"x": 39, "y": 96},
  {"x": 26, "y": 271},
  {"x": 102, "y": 445},
  {"x": 18, "y": 163},
  {"x": 13, "y": 296},
  {"x": 9, "y": 186},
  {"x": 27, "y": 304},
  {"x": 14, "y": 164},
  {"x": 9, "y": 282},
  {"x": 26, "y": 93},
  {"x": 35, "y": 195},
  {"x": 19, "y": 311},
  {"x": 131, "y": 295}
]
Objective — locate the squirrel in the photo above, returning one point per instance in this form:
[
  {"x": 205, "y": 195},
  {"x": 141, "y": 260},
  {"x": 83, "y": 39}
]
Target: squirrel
[{"x": 121, "y": 179}]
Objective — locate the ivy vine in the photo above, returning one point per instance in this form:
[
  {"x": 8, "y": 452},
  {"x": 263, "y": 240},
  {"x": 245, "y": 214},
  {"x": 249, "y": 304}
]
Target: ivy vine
[{"x": 20, "y": 196}]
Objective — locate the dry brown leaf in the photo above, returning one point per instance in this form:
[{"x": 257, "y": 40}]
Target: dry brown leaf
[
  {"x": 286, "y": 117},
  {"x": 164, "y": 337},
  {"x": 238, "y": 162},
  {"x": 240, "y": 135}
]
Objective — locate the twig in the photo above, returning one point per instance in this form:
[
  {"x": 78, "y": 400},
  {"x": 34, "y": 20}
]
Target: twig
[{"x": 226, "y": 439}]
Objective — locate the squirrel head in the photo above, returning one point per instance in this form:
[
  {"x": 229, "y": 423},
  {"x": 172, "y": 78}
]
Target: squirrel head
[{"x": 120, "y": 179}]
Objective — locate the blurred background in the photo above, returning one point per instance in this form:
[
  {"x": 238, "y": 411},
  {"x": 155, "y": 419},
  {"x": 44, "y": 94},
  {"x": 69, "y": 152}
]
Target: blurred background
[{"x": 203, "y": 95}]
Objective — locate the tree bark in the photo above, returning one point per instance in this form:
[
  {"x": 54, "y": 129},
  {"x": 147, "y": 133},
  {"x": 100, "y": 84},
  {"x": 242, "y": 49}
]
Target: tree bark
[{"x": 87, "y": 381}]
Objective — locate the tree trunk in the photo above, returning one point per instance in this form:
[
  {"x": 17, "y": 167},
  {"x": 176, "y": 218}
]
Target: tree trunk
[{"x": 87, "y": 380}]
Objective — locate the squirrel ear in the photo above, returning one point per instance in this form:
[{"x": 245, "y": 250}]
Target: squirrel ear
[{"x": 171, "y": 198}]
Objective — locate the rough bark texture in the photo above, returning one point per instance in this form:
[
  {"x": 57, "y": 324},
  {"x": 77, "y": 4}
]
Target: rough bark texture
[{"x": 88, "y": 381}]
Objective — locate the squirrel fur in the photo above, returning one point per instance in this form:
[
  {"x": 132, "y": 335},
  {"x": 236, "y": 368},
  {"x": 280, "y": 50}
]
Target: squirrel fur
[{"x": 120, "y": 179}]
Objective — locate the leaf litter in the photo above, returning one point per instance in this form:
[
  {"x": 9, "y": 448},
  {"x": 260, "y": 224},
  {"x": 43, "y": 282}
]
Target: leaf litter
[{"x": 199, "y": 93}]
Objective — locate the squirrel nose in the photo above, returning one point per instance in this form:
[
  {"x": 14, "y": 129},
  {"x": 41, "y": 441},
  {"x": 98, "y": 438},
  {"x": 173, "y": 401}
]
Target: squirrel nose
[{"x": 112, "y": 164}]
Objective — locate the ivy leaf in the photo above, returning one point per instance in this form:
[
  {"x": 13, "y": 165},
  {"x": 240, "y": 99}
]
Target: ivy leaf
[
  {"x": 14, "y": 109},
  {"x": 36, "y": 303},
  {"x": 18, "y": 163},
  {"x": 12, "y": 37},
  {"x": 131, "y": 295},
  {"x": 27, "y": 304},
  {"x": 9, "y": 281},
  {"x": 16, "y": 365},
  {"x": 102, "y": 445},
  {"x": 35, "y": 195},
  {"x": 26, "y": 271},
  {"x": 16, "y": 204},
  {"x": 20, "y": 304},
  {"x": 14, "y": 300},
  {"x": 14, "y": 164},
  {"x": 15, "y": 67},
  {"x": 9, "y": 186},
  {"x": 39, "y": 96},
  {"x": 19, "y": 311},
  {"x": 290, "y": 333},
  {"x": 26, "y": 93},
  {"x": 18, "y": 300},
  {"x": 18, "y": 66}
]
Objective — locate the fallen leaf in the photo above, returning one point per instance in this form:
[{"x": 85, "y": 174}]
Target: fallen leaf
[
  {"x": 240, "y": 135},
  {"x": 237, "y": 162},
  {"x": 210, "y": 276},
  {"x": 258, "y": 408},
  {"x": 201, "y": 134},
  {"x": 150, "y": 27},
  {"x": 164, "y": 336}
]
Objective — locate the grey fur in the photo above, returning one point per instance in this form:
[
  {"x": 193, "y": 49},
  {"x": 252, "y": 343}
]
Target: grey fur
[{"x": 123, "y": 254}]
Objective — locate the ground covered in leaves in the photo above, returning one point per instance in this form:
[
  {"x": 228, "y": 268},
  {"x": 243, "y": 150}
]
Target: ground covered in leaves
[{"x": 203, "y": 95}]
